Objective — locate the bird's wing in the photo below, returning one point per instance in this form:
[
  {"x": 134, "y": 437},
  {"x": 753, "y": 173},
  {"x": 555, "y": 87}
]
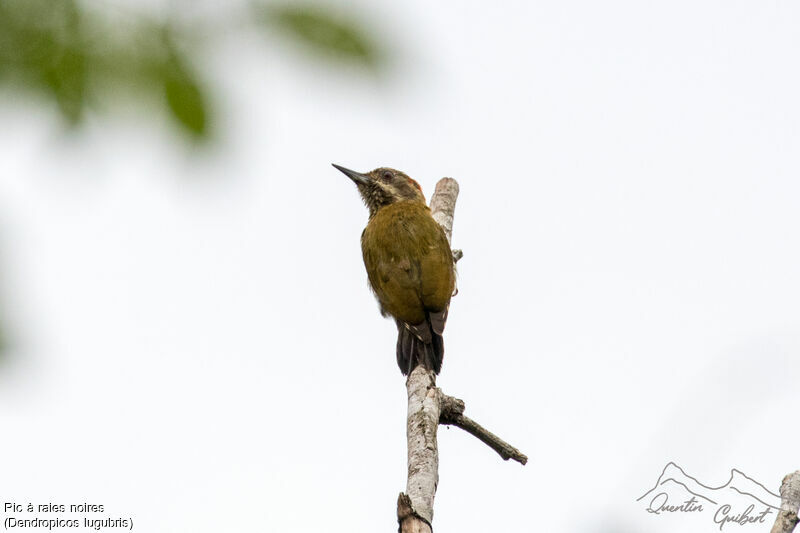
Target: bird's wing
[
  {"x": 394, "y": 278},
  {"x": 438, "y": 276},
  {"x": 410, "y": 265}
]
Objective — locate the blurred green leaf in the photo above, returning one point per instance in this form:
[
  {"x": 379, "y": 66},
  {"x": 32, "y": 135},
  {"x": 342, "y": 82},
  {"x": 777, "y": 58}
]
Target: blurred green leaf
[
  {"x": 324, "y": 33},
  {"x": 66, "y": 77},
  {"x": 80, "y": 56},
  {"x": 185, "y": 97},
  {"x": 43, "y": 46},
  {"x": 54, "y": 48}
]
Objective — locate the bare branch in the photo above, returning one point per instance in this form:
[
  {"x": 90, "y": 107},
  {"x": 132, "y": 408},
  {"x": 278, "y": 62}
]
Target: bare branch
[
  {"x": 410, "y": 522},
  {"x": 423, "y": 453},
  {"x": 415, "y": 507},
  {"x": 790, "y": 502},
  {"x": 428, "y": 407},
  {"x": 452, "y": 414},
  {"x": 443, "y": 205}
]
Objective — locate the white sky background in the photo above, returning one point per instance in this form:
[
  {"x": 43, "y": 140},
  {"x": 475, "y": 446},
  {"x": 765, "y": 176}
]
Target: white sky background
[{"x": 196, "y": 346}]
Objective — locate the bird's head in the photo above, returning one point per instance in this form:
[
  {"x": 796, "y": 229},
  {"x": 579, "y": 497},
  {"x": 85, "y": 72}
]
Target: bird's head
[{"x": 384, "y": 186}]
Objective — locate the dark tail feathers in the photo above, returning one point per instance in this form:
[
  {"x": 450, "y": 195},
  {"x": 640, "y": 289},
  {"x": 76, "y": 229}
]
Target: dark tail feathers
[{"x": 421, "y": 344}]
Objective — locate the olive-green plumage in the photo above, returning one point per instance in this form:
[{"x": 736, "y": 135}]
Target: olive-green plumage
[
  {"x": 409, "y": 264},
  {"x": 408, "y": 260}
]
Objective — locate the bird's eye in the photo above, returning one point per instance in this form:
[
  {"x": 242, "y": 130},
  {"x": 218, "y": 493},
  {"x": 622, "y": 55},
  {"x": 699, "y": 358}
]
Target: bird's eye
[{"x": 387, "y": 175}]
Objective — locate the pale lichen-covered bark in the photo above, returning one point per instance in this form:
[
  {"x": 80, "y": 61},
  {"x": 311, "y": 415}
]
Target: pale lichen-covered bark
[
  {"x": 409, "y": 522},
  {"x": 443, "y": 204},
  {"x": 423, "y": 454},
  {"x": 790, "y": 502}
]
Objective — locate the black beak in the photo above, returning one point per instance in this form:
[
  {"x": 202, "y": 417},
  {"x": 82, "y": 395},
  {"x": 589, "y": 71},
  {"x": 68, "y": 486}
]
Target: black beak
[{"x": 360, "y": 179}]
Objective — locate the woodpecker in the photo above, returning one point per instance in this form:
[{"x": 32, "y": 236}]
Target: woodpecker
[{"x": 409, "y": 264}]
